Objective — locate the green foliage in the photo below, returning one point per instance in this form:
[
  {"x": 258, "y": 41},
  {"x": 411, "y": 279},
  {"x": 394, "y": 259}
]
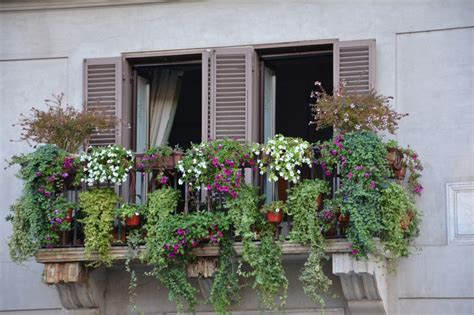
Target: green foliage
[
  {"x": 302, "y": 206},
  {"x": 308, "y": 227},
  {"x": 63, "y": 126},
  {"x": 275, "y": 206},
  {"x": 43, "y": 175},
  {"x": 225, "y": 287},
  {"x": 99, "y": 206},
  {"x": 362, "y": 159},
  {"x": 128, "y": 210},
  {"x": 133, "y": 241},
  {"x": 400, "y": 220},
  {"x": 265, "y": 259},
  {"x": 266, "y": 264}
]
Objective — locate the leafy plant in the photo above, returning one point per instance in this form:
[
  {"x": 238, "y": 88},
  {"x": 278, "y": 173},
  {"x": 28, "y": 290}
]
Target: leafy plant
[
  {"x": 362, "y": 160},
  {"x": 153, "y": 157},
  {"x": 60, "y": 217},
  {"x": 265, "y": 260},
  {"x": 225, "y": 287},
  {"x": 99, "y": 206},
  {"x": 275, "y": 206},
  {"x": 133, "y": 241},
  {"x": 129, "y": 210},
  {"x": 308, "y": 227},
  {"x": 412, "y": 162},
  {"x": 63, "y": 126},
  {"x": 351, "y": 112},
  {"x": 400, "y": 219},
  {"x": 283, "y": 156},
  {"x": 43, "y": 173},
  {"x": 105, "y": 165}
]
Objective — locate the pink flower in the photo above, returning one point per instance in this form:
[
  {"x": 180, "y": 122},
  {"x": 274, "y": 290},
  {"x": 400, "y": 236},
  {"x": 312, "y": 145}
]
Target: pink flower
[
  {"x": 164, "y": 179},
  {"x": 418, "y": 189},
  {"x": 367, "y": 175},
  {"x": 354, "y": 252},
  {"x": 359, "y": 167},
  {"x": 215, "y": 161},
  {"x": 372, "y": 184},
  {"x": 350, "y": 175},
  {"x": 414, "y": 157}
]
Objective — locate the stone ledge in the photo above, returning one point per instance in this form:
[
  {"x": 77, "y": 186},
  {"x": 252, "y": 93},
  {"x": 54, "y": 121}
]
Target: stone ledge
[{"x": 76, "y": 254}]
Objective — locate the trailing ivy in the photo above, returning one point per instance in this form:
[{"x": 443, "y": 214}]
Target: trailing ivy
[
  {"x": 225, "y": 288},
  {"x": 265, "y": 259},
  {"x": 99, "y": 206},
  {"x": 308, "y": 228},
  {"x": 400, "y": 219},
  {"x": 43, "y": 173}
]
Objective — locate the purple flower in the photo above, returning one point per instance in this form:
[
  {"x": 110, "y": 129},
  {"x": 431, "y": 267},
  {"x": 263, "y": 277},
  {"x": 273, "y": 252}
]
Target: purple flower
[
  {"x": 354, "y": 252},
  {"x": 64, "y": 175},
  {"x": 350, "y": 175},
  {"x": 327, "y": 173},
  {"x": 219, "y": 234},
  {"x": 68, "y": 162},
  {"x": 41, "y": 189},
  {"x": 228, "y": 172},
  {"x": 209, "y": 187},
  {"x": 47, "y": 194},
  {"x": 418, "y": 189},
  {"x": 164, "y": 180},
  {"x": 372, "y": 184},
  {"x": 180, "y": 232},
  {"x": 39, "y": 174},
  {"x": 141, "y": 166},
  {"x": 233, "y": 194},
  {"x": 215, "y": 161},
  {"x": 56, "y": 211},
  {"x": 224, "y": 188},
  {"x": 59, "y": 220},
  {"x": 367, "y": 175},
  {"x": 333, "y": 152},
  {"x": 359, "y": 167}
]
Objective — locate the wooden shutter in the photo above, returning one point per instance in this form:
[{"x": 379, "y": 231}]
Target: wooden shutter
[
  {"x": 227, "y": 93},
  {"x": 354, "y": 64},
  {"x": 103, "y": 94}
]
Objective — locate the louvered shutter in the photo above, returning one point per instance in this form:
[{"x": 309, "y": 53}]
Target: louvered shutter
[
  {"x": 103, "y": 94},
  {"x": 227, "y": 93},
  {"x": 354, "y": 64}
]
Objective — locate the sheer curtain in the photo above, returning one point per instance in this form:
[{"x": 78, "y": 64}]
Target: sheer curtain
[{"x": 164, "y": 97}]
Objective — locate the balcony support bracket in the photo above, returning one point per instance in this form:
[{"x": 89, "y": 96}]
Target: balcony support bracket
[
  {"x": 80, "y": 290},
  {"x": 363, "y": 283}
]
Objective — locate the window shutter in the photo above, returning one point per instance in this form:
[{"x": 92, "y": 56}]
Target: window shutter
[
  {"x": 354, "y": 64},
  {"x": 103, "y": 94},
  {"x": 227, "y": 93}
]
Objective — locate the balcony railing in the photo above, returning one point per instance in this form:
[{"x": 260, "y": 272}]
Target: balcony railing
[{"x": 141, "y": 183}]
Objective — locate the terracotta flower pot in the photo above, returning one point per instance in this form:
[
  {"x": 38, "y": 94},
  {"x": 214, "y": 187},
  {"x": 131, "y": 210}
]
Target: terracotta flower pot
[
  {"x": 274, "y": 217},
  {"x": 133, "y": 221},
  {"x": 400, "y": 173},
  {"x": 69, "y": 216}
]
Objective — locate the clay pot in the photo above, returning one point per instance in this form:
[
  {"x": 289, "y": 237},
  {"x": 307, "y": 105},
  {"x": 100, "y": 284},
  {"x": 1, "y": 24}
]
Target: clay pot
[
  {"x": 274, "y": 217},
  {"x": 133, "y": 221},
  {"x": 69, "y": 216},
  {"x": 400, "y": 173}
]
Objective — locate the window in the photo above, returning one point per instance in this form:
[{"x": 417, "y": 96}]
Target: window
[{"x": 246, "y": 93}]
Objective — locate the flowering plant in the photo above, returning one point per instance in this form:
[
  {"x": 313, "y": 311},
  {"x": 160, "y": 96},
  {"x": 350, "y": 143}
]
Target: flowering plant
[
  {"x": 129, "y": 210},
  {"x": 65, "y": 127},
  {"x": 283, "y": 156},
  {"x": 412, "y": 162},
  {"x": 60, "y": 216},
  {"x": 347, "y": 111},
  {"x": 152, "y": 157},
  {"x": 217, "y": 165},
  {"x": 106, "y": 165}
]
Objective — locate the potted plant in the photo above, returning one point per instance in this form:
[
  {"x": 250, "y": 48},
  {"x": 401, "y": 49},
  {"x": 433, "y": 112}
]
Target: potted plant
[
  {"x": 105, "y": 165},
  {"x": 346, "y": 111},
  {"x": 274, "y": 211},
  {"x": 282, "y": 157},
  {"x": 131, "y": 214},
  {"x": 406, "y": 158},
  {"x": 63, "y": 126},
  {"x": 99, "y": 207},
  {"x": 60, "y": 218}
]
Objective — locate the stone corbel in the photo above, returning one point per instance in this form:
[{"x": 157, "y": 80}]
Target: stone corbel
[
  {"x": 363, "y": 284},
  {"x": 80, "y": 291}
]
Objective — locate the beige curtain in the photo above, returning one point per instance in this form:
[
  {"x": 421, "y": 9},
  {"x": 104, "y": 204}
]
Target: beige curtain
[{"x": 164, "y": 97}]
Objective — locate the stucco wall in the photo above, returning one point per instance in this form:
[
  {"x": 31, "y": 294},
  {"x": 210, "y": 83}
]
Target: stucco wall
[{"x": 424, "y": 59}]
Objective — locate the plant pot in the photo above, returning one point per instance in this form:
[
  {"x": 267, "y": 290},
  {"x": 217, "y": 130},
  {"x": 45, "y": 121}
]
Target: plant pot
[
  {"x": 343, "y": 223},
  {"x": 274, "y": 217},
  {"x": 400, "y": 173},
  {"x": 394, "y": 158},
  {"x": 177, "y": 156},
  {"x": 133, "y": 221},
  {"x": 69, "y": 216}
]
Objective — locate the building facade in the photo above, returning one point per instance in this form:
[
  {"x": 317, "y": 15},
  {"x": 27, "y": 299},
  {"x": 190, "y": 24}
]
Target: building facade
[{"x": 419, "y": 52}]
